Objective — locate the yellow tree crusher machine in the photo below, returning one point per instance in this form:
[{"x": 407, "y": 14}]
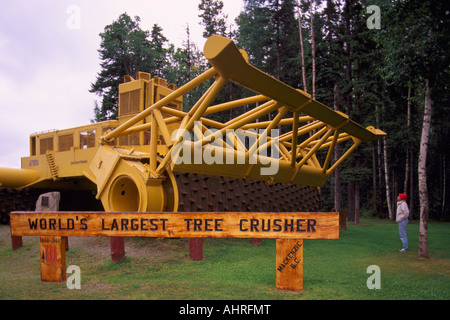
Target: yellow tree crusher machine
[{"x": 273, "y": 157}]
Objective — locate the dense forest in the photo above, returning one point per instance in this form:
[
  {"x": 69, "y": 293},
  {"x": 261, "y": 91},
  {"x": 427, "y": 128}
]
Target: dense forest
[{"x": 384, "y": 63}]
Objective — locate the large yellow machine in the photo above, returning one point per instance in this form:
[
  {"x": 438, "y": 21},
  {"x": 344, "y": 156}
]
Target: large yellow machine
[{"x": 156, "y": 157}]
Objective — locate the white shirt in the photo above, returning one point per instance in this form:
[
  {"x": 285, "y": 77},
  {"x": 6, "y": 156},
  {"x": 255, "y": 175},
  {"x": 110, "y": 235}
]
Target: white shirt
[{"x": 402, "y": 211}]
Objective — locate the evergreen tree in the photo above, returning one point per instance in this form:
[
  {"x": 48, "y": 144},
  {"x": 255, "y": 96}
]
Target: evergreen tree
[
  {"x": 268, "y": 31},
  {"x": 361, "y": 70},
  {"x": 124, "y": 50},
  {"x": 159, "y": 54},
  {"x": 255, "y": 32},
  {"x": 213, "y": 19},
  {"x": 414, "y": 44},
  {"x": 214, "y": 22},
  {"x": 184, "y": 65},
  {"x": 284, "y": 55}
]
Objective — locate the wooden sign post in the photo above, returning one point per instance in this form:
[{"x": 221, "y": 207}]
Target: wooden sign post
[
  {"x": 53, "y": 259},
  {"x": 289, "y": 228},
  {"x": 289, "y": 265}
]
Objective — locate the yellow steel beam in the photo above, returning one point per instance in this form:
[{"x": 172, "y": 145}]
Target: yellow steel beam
[
  {"x": 153, "y": 143},
  {"x": 258, "y": 111},
  {"x": 357, "y": 142},
  {"x": 282, "y": 122},
  {"x": 235, "y": 103},
  {"x": 330, "y": 151},
  {"x": 196, "y": 115},
  {"x": 228, "y": 61},
  {"x": 294, "y": 138},
  {"x": 282, "y": 112},
  {"x": 162, "y": 126},
  {"x": 314, "y": 149}
]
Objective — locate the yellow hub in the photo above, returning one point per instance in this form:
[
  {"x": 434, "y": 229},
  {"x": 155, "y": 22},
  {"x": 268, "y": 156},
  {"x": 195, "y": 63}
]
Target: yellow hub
[
  {"x": 131, "y": 193},
  {"x": 124, "y": 195}
]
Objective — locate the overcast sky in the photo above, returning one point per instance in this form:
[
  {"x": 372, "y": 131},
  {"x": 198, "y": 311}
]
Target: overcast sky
[{"x": 49, "y": 58}]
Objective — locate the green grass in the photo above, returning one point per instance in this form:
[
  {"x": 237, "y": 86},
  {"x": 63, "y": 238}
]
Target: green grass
[{"x": 235, "y": 269}]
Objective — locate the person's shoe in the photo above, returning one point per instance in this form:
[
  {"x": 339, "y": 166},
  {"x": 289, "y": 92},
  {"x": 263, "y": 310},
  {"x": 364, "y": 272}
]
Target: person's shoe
[{"x": 403, "y": 250}]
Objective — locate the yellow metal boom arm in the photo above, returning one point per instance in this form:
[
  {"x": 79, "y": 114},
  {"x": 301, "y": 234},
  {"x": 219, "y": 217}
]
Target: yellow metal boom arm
[{"x": 229, "y": 62}]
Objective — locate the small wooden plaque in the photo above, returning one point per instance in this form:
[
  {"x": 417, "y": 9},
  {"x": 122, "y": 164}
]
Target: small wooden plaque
[
  {"x": 53, "y": 259},
  {"x": 289, "y": 265}
]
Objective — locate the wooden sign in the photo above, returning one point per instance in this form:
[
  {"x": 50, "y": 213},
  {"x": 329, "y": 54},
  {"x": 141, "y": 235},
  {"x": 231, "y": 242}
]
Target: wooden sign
[
  {"x": 291, "y": 225},
  {"x": 289, "y": 264},
  {"x": 52, "y": 255},
  {"x": 289, "y": 228}
]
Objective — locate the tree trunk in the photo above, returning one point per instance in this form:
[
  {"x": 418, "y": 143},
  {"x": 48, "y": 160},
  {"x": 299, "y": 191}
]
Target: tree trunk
[
  {"x": 348, "y": 65},
  {"x": 394, "y": 190},
  {"x": 408, "y": 123},
  {"x": 313, "y": 52},
  {"x": 386, "y": 175},
  {"x": 302, "y": 52},
  {"x": 411, "y": 186},
  {"x": 188, "y": 49},
  {"x": 357, "y": 190},
  {"x": 357, "y": 201},
  {"x": 444, "y": 184},
  {"x": 422, "y": 175},
  {"x": 337, "y": 155},
  {"x": 351, "y": 200},
  {"x": 380, "y": 166},
  {"x": 349, "y": 101},
  {"x": 374, "y": 179}
]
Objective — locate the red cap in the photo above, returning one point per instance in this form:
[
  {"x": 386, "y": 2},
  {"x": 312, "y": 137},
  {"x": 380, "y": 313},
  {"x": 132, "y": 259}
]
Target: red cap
[{"x": 403, "y": 196}]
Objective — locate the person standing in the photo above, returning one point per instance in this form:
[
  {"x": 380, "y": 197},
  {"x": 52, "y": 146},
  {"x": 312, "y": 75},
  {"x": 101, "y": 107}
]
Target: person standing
[{"x": 402, "y": 219}]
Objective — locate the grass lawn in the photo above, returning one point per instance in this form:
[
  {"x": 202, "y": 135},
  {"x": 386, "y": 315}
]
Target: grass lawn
[{"x": 234, "y": 269}]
